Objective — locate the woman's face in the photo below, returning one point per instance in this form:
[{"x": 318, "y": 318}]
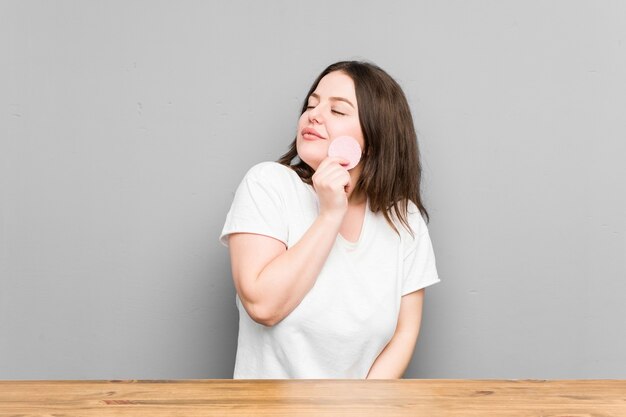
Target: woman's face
[{"x": 332, "y": 112}]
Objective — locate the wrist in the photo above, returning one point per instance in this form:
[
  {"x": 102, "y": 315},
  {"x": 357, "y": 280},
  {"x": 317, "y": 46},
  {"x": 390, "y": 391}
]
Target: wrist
[{"x": 332, "y": 218}]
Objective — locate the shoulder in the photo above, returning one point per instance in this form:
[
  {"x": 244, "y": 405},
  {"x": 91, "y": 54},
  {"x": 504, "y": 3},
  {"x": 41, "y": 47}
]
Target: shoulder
[
  {"x": 416, "y": 222},
  {"x": 274, "y": 179},
  {"x": 268, "y": 170}
]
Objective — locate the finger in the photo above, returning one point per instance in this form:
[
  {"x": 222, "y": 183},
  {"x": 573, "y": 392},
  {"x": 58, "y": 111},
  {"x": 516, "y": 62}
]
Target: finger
[
  {"x": 332, "y": 174},
  {"x": 331, "y": 160},
  {"x": 339, "y": 179}
]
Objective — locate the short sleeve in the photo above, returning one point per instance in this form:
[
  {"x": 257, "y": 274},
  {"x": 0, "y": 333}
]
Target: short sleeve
[
  {"x": 420, "y": 270},
  {"x": 258, "y": 205}
]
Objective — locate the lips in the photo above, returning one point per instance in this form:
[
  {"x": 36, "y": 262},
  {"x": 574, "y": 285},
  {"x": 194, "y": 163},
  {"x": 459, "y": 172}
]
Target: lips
[{"x": 311, "y": 134}]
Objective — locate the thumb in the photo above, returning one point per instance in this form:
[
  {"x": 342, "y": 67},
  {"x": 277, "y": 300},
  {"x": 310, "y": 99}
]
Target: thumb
[{"x": 348, "y": 187}]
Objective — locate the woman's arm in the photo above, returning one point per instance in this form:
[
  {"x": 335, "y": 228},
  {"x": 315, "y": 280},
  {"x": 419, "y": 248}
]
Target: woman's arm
[
  {"x": 272, "y": 280},
  {"x": 395, "y": 358}
]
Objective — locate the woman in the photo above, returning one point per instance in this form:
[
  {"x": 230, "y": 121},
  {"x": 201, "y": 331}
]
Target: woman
[{"x": 330, "y": 264}]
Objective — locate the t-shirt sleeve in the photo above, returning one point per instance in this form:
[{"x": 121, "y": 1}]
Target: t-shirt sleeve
[
  {"x": 420, "y": 270},
  {"x": 258, "y": 206}
]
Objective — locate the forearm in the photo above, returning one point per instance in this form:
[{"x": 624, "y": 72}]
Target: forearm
[
  {"x": 285, "y": 281},
  {"x": 395, "y": 358}
]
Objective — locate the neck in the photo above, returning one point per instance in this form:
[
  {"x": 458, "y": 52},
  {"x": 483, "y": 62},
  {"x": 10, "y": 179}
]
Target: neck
[{"x": 356, "y": 199}]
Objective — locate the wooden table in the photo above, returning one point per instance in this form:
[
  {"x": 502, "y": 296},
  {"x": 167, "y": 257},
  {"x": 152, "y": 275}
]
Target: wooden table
[{"x": 429, "y": 398}]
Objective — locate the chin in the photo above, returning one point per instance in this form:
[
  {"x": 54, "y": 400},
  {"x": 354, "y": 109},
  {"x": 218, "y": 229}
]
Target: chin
[
  {"x": 311, "y": 155},
  {"x": 313, "y": 163}
]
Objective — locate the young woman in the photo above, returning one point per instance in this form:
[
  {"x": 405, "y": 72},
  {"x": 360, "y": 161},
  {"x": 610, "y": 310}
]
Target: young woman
[{"x": 330, "y": 264}]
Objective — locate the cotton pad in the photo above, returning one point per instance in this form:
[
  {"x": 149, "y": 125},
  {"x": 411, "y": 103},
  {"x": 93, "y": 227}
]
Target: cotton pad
[{"x": 346, "y": 147}]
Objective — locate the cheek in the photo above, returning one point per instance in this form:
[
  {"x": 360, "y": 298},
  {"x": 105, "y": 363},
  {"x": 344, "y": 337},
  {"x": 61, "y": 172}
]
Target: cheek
[
  {"x": 312, "y": 152},
  {"x": 347, "y": 129},
  {"x": 302, "y": 121},
  {"x": 358, "y": 135}
]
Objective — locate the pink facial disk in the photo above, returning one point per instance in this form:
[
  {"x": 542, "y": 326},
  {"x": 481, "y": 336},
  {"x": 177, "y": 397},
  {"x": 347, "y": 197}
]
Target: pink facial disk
[{"x": 346, "y": 147}]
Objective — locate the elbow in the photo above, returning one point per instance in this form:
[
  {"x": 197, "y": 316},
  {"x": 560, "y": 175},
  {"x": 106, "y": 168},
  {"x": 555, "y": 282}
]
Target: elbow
[
  {"x": 259, "y": 308},
  {"x": 261, "y": 314},
  {"x": 267, "y": 321}
]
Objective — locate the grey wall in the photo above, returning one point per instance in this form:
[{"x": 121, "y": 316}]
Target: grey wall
[{"x": 125, "y": 127}]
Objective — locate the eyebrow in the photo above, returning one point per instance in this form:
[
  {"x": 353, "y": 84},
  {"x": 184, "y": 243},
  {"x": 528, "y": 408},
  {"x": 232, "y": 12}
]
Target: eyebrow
[{"x": 334, "y": 99}]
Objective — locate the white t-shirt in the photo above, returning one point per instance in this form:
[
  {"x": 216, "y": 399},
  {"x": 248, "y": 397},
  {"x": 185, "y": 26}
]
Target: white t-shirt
[{"x": 350, "y": 314}]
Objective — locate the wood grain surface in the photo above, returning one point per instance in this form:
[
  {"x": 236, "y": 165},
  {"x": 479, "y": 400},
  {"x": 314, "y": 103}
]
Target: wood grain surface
[{"x": 409, "y": 397}]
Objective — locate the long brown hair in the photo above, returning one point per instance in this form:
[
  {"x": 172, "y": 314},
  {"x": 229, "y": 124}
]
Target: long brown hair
[{"x": 392, "y": 172}]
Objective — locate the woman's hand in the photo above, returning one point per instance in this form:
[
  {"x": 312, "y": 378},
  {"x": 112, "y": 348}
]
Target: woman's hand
[{"x": 332, "y": 185}]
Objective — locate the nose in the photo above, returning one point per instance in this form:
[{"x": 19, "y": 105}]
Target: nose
[{"x": 315, "y": 115}]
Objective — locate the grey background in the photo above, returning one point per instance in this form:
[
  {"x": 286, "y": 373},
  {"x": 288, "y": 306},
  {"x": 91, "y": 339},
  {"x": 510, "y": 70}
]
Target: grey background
[{"x": 125, "y": 127}]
